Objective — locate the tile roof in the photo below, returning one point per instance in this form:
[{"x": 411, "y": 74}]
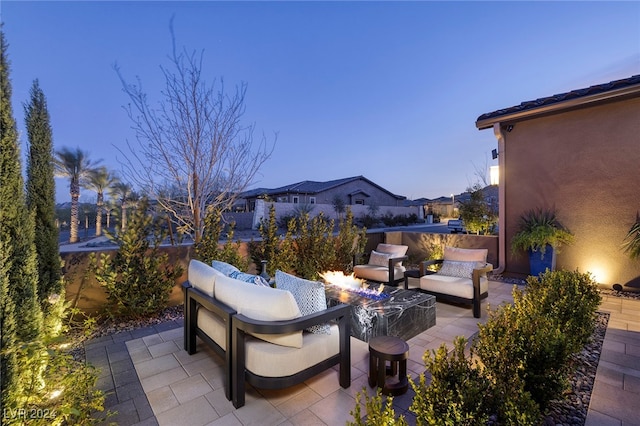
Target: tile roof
[
  {"x": 485, "y": 120},
  {"x": 311, "y": 187}
]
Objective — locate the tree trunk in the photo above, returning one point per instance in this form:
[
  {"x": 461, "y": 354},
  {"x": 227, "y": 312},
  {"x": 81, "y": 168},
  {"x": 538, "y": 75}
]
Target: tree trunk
[
  {"x": 99, "y": 205},
  {"x": 73, "y": 237},
  {"x": 123, "y": 219}
]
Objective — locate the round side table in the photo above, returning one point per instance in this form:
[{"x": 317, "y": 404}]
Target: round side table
[{"x": 395, "y": 352}]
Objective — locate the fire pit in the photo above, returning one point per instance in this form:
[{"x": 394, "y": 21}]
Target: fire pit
[{"x": 380, "y": 311}]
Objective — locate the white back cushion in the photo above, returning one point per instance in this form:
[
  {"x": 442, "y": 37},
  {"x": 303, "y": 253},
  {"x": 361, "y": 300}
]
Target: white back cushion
[
  {"x": 465, "y": 255},
  {"x": 261, "y": 303},
  {"x": 202, "y": 276}
]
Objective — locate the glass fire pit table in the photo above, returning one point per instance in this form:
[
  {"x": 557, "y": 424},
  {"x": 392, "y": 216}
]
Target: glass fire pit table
[{"x": 395, "y": 312}]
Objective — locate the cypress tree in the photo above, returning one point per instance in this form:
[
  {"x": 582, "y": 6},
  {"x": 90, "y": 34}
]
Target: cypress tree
[
  {"x": 16, "y": 222},
  {"x": 41, "y": 193},
  {"x": 8, "y": 373}
]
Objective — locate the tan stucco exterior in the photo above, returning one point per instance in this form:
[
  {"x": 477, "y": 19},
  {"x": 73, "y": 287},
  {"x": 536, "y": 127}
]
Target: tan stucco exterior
[{"x": 584, "y": 162}]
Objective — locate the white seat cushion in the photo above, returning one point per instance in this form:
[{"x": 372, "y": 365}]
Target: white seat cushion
[
  {"x": 265, "y": 359},
  {"x": 378, "y": 273},
  {"x": 213, "y": 327},
  {"x": 454, "y": 286}
]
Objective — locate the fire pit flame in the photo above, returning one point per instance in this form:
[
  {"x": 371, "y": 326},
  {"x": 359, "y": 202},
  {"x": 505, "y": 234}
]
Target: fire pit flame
[{"x": 350, "y": 282}]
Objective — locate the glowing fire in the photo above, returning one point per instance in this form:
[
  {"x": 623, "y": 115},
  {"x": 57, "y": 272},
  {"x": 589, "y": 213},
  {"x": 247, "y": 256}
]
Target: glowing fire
[
  {"x": 340, "y": 279},
  {"x": 349, "y": 282}
]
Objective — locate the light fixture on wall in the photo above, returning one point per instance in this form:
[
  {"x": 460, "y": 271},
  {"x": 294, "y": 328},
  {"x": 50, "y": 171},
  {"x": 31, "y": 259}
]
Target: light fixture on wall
[
  {"x": 494, "y": 154},
  {"x": 509, "y": 128},
  {"x": 494, "y": 175}
]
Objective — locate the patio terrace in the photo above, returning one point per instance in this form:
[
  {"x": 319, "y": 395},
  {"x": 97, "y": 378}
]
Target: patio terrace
[{"x": 150, "y": 380}]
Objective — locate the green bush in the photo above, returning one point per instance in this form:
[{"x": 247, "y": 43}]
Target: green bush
[
  {"x": 57, "y": 389},
  {"x": 309, "y": 246},
  {"x": 138, "y": 279},
  {"x": 349, "y": 241},
  {"x": 535, "y": 337},
  {"x": 458, "y": 393},
  {"x": 314, "y": 245},
  {"x": 208, "y": 248},
  {"x": 571, "y": 299},
  {"x": 377, "y": 413}
]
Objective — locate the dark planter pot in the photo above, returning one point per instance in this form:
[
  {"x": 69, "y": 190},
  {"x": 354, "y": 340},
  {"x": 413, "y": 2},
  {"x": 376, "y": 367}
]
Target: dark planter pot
[{"x": 540, "y": 263}]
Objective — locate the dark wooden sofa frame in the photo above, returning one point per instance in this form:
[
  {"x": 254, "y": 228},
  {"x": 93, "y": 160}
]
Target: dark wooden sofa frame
[
  {"x": 242, "y": 325},
  {"x": 477, "y": 296},
  {"x": 194, "y": 299}
]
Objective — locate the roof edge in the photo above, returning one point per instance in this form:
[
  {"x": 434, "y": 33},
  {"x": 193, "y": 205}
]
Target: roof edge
[{"x": 515, "y": 114}]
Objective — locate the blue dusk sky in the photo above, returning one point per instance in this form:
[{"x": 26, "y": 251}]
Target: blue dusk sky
[{"x": 387, "y": 90}]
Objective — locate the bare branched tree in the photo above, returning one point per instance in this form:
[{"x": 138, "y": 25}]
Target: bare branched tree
[{"x": 192, "y": 151}]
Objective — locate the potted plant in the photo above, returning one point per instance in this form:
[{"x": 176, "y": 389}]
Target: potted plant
[{"x": 541, "y": 235}]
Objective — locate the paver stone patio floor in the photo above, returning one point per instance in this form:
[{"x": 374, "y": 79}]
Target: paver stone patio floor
[{"x": 150, "y": 380}]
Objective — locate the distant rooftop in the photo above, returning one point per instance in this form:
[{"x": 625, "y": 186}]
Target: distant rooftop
[
  {"x": 574, "y": 99},
  {"x": 311, "y": 187}
]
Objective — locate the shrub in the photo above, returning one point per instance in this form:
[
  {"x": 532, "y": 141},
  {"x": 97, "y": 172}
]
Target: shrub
[
  {"x": 377, "y": 414},
  {"x": 458, "y": 393},
  {"x": 349, "y": 241},
  {"x": 534, "y": 338},
  {"x": 60, "y": 389},
  {"x": 278, "y": 253},
  {"x": 138, "y": 279},
  {"x": 368, "y": 221},
  {"x": 315, "y": 250},
  {"x": 571, "y": 299},
  {"x": 309, "y": 246},
  {"x": 208, "y": 248}
]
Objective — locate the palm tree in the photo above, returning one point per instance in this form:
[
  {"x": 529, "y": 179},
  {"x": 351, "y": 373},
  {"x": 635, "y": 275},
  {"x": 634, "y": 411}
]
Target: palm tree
[
  {"x": 76, "y": 165},
  {"x": 123, "y": 193},
  {"x": 100, "y": 180}
]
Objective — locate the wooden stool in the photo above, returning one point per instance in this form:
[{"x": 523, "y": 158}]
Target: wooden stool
[{"x": 396, "y": 352}]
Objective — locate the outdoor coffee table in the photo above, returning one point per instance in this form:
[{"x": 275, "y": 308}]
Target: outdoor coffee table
[{"x": 404, "y": 313}]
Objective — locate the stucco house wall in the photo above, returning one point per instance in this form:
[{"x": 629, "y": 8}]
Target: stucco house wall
[{"x": 584, "y": 163}]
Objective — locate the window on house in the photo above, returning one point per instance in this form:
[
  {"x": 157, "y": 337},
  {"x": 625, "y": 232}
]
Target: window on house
[
  {"x": 295, "y": 199},
  {"x": 361, "y": 202},
  {"x": 312, "y": 200}
]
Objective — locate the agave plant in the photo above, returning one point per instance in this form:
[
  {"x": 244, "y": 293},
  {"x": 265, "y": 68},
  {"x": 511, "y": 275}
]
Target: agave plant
[
  {"x": 631, "y": 243},
  {"x": 539, "y": 228}
]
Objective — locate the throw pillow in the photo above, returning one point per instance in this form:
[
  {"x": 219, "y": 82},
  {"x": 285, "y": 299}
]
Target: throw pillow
[
  {"x": 249, "y": 278},
  {"x": 224, "y": 267},
  {"x": 379, "y": 259},
  {"x": 460, "y": 269},
  {"x": 309, "y": 295}
]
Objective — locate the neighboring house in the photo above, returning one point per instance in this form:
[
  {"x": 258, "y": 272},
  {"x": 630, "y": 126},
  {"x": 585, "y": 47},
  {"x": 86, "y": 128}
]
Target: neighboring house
[
  {"x": 356, "y": 190},
  {"x": 450, "y": 206},
  {"x": 577, "y": 152}
]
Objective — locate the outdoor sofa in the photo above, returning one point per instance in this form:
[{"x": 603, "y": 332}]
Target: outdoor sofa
[{"x": 269, "y": 337}]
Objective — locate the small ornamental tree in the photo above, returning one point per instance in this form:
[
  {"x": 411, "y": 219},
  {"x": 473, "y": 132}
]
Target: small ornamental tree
[
  {"x": 476, "y": 213},
  {"x": 41, "y": 193},
  {"x": 138, "y": 279}
]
